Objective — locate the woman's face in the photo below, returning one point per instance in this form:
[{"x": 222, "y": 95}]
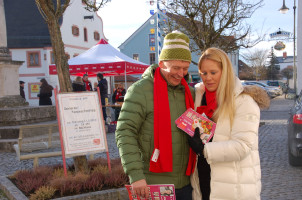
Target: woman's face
[{"x": 210, "y": 73}]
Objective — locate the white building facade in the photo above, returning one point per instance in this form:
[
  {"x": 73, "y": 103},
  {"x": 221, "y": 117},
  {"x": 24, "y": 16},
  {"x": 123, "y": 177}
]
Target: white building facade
[{"x": 80, "y": 31}]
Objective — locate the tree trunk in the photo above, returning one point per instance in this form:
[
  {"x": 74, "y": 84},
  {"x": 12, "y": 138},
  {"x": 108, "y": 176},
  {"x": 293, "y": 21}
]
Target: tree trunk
[{"x": 80, "y": 162}]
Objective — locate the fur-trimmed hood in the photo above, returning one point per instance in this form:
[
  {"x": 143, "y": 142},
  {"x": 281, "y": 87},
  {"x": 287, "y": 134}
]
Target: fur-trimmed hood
[{"x": 257, "y": 93}]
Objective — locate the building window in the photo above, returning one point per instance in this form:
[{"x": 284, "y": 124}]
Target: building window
[
  {"x": 96, "y": 36},
  {"x": 135, "y": 57},
  {"x": 152, "y": 58},
  {"x": 33, "y": 59},
  {"x": 151, "y": 40},
  {"x": 85, "y": 35},
  {"x": 75, "y": 31},
  {"x": 52, "y": 58}
]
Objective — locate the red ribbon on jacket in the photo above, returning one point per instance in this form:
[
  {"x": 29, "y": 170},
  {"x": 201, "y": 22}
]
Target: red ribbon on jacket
[{"x": 162, "y": 127}]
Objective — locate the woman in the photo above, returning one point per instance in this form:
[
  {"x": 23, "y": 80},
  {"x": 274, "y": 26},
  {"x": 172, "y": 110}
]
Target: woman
[
  {"x": 233, "y": 154},
  {"x": 78, "y": 84},
  {"x": 45, "y": 93}
]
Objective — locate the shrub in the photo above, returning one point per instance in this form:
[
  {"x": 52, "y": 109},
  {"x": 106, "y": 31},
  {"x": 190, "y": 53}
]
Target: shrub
[
  {"x": 43, "y": 193},
  {"x": 116, "y": 178},
  {"x": 95, "y": 181},
  {"x": 70, "y": 185},
  {"x": 42, "y": 182},
  {"x": 29, "y": 181}
]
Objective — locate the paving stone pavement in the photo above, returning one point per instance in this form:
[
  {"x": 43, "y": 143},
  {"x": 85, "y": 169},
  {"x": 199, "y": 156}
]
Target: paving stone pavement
[
  {"x": 280, "y": 181},
  {"x": 9, "y": 163}
]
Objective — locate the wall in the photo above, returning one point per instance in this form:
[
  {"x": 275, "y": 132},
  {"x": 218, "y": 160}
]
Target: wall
[{"x": 74, "y": 15}]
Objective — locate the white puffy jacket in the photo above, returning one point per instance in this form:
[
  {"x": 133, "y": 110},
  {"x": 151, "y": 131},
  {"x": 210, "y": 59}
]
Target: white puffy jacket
[{"x": 233, "y": 154}]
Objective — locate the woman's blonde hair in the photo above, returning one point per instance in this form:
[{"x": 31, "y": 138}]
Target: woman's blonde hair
[{"x": 225, "y": 91}]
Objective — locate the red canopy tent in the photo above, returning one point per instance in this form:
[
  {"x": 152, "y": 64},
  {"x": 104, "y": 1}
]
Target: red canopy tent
[{"x": 105, "y": 59}]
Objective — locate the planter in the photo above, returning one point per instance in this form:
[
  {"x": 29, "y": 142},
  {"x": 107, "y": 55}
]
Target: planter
[{"x": 13, "y": 193}]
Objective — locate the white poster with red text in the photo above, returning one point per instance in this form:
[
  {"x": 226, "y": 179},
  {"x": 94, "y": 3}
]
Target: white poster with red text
[{"x": 82, "y": 123}]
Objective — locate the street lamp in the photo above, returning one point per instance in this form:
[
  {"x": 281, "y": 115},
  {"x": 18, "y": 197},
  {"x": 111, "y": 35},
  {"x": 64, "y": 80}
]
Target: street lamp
[{"x": 284, "y": 10}]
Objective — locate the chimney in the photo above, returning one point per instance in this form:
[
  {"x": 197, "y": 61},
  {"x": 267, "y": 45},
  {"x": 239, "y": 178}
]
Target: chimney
[{"x": 284, "y": 55}]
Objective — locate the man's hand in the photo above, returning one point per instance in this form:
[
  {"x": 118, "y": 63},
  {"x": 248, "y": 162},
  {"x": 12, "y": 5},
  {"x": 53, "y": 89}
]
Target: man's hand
[{"x": 140, "y": 188}]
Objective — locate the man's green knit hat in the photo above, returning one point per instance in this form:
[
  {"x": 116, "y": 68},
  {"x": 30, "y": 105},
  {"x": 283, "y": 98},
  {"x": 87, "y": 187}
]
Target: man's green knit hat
[{"x": 176, "y": 47}]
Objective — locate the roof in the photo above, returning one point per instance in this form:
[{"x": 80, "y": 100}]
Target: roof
[
  {"x": 137, "y": 30},
  {"x": 25, "y": 26},
  {"x": 288, "y": 59},
  {"x": 103, "y": 58}
]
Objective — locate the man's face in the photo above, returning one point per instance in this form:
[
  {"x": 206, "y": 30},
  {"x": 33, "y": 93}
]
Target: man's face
[
  {"x": 174, "y": 70},
  {"x": 22, "y": 84},
  {"x": 85, "y": 78}
]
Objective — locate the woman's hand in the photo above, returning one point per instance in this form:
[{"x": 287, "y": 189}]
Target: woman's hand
[{"x": 196, "y": 143}]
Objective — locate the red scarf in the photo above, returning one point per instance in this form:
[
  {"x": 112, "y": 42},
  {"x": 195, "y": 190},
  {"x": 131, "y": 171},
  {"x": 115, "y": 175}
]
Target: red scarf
[
  {"x": 87, "y": 85},
  {"x": 162, "y": 127},
  {"x": 211, "y": 106}
]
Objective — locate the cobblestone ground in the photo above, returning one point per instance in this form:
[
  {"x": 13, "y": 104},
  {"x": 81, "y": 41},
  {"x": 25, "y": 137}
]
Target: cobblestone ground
[
  {"x": 280, "y": 181},
  {"x": 9, "y": 164}
]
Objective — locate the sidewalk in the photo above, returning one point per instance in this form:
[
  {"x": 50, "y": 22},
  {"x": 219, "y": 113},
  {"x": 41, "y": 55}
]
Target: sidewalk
[{"x": 9, "y": 163}]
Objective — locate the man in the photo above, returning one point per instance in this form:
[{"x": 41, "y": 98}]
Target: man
[
  {"x": 88, "y": 85},
  {"x": 103, "y": 86},
  {"x": 21, "y": 83},
  {"x": 118, "y": 97},
  {"x": 152, "y": 149}
]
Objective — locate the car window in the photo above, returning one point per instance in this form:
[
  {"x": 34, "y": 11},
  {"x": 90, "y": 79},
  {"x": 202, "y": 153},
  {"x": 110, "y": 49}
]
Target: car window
[{"x": 273, "y": 84}]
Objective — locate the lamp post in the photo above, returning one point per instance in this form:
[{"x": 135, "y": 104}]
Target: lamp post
[{"x": 284, "y": 10}]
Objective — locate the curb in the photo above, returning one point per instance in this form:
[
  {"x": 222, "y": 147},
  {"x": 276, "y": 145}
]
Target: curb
[{"x": 13, "y": 193}]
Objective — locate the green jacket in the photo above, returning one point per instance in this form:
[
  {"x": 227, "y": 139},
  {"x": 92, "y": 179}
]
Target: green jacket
[{"x": 134, "y": 133}]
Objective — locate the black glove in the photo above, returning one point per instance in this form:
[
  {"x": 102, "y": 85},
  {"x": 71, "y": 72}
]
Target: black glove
[{"x": 196, "y": 143}]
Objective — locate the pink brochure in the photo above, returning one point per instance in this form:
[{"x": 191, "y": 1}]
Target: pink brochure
[
  {"x": 190, "y": 119},
  {"x": 156, "y": 192}
]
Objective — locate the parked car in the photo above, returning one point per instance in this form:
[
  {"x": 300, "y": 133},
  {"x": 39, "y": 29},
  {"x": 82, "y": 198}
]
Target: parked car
[
  {"x": 278, "y": 84},
  {"x": 294, "y": 129},
  {"x": 271, "y": 91},
  {"x": 274, "y": 88}
]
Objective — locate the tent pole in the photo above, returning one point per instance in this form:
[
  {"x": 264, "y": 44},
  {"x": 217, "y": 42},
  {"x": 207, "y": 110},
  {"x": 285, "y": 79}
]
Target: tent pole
[{"x": 125, "y": 76}]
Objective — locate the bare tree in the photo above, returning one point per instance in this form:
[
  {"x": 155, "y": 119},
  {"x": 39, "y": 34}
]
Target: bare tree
[
  {"x": 257, "y": 59},
  {"x": 245, "y": 72},
  {"x": 287, "y": 73},
  {"x": 52, "y": 11},
  {"x": 213, "y": 23}
]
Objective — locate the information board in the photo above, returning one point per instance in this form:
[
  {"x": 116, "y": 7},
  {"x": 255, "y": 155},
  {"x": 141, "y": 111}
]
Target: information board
[{"x": 82, "y": 124}]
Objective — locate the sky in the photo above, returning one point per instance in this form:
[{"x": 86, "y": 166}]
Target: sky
[{"x": 122, "y": 18}]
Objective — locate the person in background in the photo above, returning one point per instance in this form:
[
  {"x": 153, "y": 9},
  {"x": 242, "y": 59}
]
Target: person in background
[
  {"x": 87, "y": 82},
  {"x": 45, "y": 93},
  {"x": 95, "y": 86},
  {"x": 21, "y": 83},
  {"x": 228, "y": 168},
  {"x": 103, "y": 87},
  {"x": 118, "y": 97},
  {"x": 152, "y": 149},
  {"x": 78, "y": 85}
]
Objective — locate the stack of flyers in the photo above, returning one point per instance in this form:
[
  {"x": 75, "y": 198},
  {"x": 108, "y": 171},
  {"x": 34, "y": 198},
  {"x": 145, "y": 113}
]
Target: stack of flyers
[
  {"x": 190, "y": 120},
  {"x": 156, "y": 192}
]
